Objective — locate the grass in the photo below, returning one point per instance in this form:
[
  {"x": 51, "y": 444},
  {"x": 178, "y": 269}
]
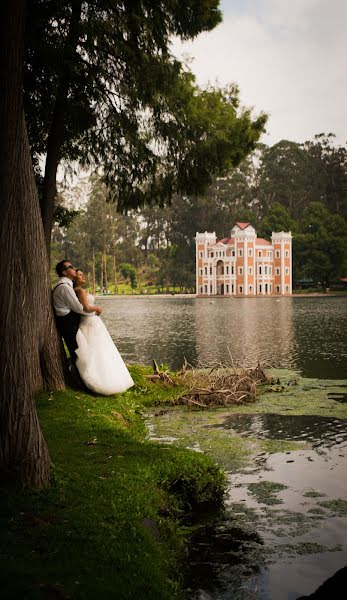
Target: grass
[{"x": 113, "y": 521}]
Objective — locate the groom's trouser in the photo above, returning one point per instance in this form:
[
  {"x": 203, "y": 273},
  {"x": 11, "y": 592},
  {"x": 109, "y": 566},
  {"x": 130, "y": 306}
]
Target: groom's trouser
[{"x": 68, "y": 327}]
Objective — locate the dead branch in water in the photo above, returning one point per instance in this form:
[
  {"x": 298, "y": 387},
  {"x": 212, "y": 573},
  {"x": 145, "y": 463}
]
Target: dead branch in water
[{"x": 219, "y": 385}]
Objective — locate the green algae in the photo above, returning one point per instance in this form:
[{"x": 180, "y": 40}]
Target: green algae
[
  {"x": 338, "y": 506},
  {"x": 265, "y": 491},
  {"x": 313, "y": 494},
  {"x": 306, "y": 548}
]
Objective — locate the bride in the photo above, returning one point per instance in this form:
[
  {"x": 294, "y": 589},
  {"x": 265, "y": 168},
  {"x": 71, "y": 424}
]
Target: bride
[{"x": 99, "y": 363}]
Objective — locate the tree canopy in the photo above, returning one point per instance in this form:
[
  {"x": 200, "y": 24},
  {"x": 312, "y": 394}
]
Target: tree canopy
[{"x": 102, "y": 88}]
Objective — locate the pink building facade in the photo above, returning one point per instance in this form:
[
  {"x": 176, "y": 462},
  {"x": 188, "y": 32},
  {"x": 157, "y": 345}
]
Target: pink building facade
[{"x": 243, "y": 264}]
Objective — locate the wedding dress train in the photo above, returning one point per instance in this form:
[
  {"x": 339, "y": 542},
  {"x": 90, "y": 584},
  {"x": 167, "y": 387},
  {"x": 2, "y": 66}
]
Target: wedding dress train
[{"x": 99, "y": 363}]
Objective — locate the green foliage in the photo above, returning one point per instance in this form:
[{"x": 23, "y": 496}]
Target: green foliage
[
  {"x": 128, "y": 271},
  {"x": 102, "y": 88},
  {"x": 63, "y": 217},
  {"x": 320, "y": 247},
  {"x": 110, "y": 519},
  {"x": 277, "y": 219}
]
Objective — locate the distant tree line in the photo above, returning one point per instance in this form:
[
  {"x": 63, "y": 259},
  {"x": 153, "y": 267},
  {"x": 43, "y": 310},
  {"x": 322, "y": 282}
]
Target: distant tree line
[{"x": 289, "y": 186}]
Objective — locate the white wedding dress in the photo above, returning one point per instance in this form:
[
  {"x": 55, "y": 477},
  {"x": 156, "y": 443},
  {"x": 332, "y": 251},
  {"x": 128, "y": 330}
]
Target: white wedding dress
[{"x": 99, "y": 363}]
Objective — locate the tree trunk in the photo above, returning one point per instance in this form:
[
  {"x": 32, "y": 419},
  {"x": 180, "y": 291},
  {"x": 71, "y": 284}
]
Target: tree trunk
[
  {"x": 94, "y": 284},
  {"x": 114, "y": 274},
  {"x": 104, "y": 273},
  {"x": 56, "y": 134},
  {"x": 25, "y": 310}
]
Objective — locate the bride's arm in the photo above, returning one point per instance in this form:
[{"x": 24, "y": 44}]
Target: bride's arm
[{"x": 83, "y": 298}]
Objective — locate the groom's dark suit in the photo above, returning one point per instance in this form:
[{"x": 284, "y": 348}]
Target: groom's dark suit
[{"x": 68, "y": 311}]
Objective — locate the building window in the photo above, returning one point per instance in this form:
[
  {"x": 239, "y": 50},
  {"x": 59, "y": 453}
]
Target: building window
[
  {"x": 260, "y": 270},
  {"x": 232, "y": 270},
  {"x": 211, "y": 254},
  {"x": 200, "y": 272},
  {"x": 278, "y": 271},
  {"x": 278, "y": 289},
  {"x": 269, "y": 253},
  {"x": 250, "y": 252},
  {"x": 260, "y": 288},
  {"x": 250, "y": 270},
  {"x": 232, "y": 288},
  {"x": 227, "y": 286},
  {"x": 259, "y": 253},
  {"x": 241, "y": 289},
  {"x": 233, "y": 253},
  {"x": 287, "y": 254},
  {"x": 287, "y": 288},
  {"x": 240, "y": 270},
  {"x": 201, "y": 254},
  {"x": 211, "y": 289},
  {"x": 201, "y": 289},
  {"x": 205, "y": 270},
  {"x": 265, "y": 270},
  {"x": 227, "y": 268},
  {"x": 250, "y": 289},
  {"x": 210, "y": 270},
  {"x": 270, "y": 270},
  {"x": 205, "y": 289},
  {"x": 277, "y": 253},
  {"x": 270, "y": 288},
  {"x": 240, "y": 252},
  {"x": 266, "y": 288},
  {"x": 287, "y": 270}
]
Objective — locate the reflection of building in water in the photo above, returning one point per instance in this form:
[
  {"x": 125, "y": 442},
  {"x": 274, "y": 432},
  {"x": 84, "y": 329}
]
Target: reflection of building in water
[
  {"x": 243, "y": 265},
  {"x": 245, "y": 331}
]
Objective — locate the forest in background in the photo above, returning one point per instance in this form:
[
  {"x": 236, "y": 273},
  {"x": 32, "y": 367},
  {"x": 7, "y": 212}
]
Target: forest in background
[{"x": 286, "y": 187}]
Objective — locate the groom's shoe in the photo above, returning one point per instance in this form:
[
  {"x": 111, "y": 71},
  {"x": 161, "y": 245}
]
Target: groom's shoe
[{"x": 75, "y": 379}]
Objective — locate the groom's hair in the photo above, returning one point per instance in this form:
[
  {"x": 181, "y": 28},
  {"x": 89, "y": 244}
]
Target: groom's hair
[{"x": 60, "y": 267}]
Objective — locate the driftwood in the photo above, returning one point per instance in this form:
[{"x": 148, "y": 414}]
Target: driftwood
[
  {"x": 219, "y": 385},
  {"x": 159, "y": 375}
]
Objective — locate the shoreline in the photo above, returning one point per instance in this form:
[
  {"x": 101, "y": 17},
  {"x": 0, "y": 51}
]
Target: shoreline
[{"x": 219, "y": 297}]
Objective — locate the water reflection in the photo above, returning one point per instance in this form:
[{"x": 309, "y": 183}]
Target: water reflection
[
  {"x": 308, "y": 334},
  {"x": 251, "y": 330},
  {"x": 317, "y": 431}
]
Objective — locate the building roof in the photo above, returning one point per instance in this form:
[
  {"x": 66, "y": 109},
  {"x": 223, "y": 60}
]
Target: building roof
[
  {"x": 243, "y": 225},
  {"x": 262, "y": 242},
  {"x": 226, "y": 241}
]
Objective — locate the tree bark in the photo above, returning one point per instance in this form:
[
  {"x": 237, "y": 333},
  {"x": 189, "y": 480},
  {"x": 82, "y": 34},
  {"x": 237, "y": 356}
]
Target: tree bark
[
  {"x": 56, "y": 134},
  {"x": 25, "y": 308}
]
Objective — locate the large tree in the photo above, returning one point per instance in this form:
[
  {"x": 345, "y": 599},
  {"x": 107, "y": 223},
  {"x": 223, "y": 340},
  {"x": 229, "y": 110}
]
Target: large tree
[
  {"x": 28, "y": 342},
  {"x": 102, "y": 87}
]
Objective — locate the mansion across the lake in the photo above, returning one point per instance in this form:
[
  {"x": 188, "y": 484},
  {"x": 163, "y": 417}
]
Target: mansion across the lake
[{"x": 243, "y": 264}]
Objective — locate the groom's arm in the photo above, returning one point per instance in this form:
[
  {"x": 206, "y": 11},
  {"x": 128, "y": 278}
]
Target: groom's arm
[{"x": 71, "y": 300}]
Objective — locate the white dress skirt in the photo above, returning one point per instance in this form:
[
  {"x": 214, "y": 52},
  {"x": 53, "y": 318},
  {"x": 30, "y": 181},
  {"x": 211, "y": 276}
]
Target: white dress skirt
[{"x": 99, "y": 363}]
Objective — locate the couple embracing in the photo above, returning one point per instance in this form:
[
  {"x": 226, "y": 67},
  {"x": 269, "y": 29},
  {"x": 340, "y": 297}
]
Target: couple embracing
[{"x": 91, "y": 348}]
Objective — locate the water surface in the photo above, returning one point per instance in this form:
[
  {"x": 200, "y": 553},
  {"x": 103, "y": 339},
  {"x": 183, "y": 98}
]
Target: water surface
[{"x": 307, "y": 334}]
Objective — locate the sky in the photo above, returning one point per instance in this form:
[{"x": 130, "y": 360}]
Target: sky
[{"x": 289, "y": 59}]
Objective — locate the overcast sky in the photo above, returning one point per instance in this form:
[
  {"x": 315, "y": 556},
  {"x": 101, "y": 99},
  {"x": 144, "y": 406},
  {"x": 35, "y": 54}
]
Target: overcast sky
[{"x": 288, "y": 58}]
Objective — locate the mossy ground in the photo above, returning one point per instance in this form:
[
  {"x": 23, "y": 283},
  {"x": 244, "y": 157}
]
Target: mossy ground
[{"x": 112, "y": 522}]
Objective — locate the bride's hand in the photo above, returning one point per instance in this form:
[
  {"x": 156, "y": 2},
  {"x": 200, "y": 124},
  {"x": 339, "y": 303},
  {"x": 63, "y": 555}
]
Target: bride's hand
[{"x": 98, "y": 310}]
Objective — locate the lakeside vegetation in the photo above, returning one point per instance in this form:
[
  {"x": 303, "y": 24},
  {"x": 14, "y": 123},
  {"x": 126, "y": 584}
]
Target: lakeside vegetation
[
  {"x": 118, "y": 513},
  {"x": 115, "y": 517}
]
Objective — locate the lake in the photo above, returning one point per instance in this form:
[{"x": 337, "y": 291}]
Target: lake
[{"x": 308, "y": 334}]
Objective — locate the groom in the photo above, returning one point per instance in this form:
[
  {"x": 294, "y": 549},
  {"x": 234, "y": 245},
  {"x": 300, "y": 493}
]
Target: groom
[{"x": 67, "y": 307}]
